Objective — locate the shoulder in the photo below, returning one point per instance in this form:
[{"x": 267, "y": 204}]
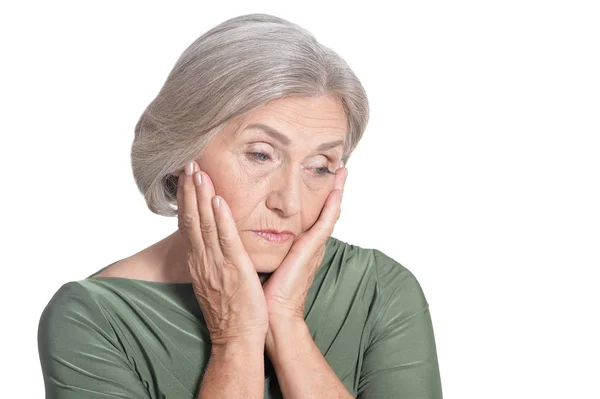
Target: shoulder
[
  {"x": 397, "y": 282},
  {"x": 79, "y": 350},
  {"x": 95, "y": 300},
  {"x": 70, "y": 297},
  {"x": 82, "y": 311},
  {"x": 392, "y": 283},
  {"x": 72, "y": 308},
  {"x": 71, "y": 324},
  {"x": 83, "y": 296},
  {"x": 399, "y": 352}
]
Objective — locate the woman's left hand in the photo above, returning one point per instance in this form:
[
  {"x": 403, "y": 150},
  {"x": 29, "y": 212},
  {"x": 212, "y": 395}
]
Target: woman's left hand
[{"x": 287, "y": 288}]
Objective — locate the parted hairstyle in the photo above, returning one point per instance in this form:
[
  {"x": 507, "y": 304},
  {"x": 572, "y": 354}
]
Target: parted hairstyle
[{"x": 234, "y": 68}]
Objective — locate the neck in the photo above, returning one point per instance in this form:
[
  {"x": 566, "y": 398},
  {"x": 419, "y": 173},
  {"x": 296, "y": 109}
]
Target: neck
[{"x": 169, "y": 258}]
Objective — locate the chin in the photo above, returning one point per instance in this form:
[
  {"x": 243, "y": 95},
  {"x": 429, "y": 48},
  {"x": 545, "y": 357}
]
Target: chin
[
  {"x": 265, "y": 257},
  {"x": 266, "y": 263}
]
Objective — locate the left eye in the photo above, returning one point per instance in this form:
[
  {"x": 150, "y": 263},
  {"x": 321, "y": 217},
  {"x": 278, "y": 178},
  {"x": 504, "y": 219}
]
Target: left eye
[{"x": 259, "y": 156}]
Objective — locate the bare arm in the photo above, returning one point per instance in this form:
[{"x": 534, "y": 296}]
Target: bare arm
[
  {"x": 235, "y": 370},
  {"x": 301, "y": 369}
]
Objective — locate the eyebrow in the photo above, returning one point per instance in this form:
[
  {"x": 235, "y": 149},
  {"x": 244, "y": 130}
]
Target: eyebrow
[{"x": 285, "y": 140}]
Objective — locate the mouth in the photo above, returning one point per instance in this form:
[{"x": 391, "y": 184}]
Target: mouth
[{"x": 274, "y": 236}]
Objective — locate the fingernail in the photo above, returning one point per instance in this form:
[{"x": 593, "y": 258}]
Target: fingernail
[
  {"x": 189, "y": 169},
  {"x": 217, "y": 201},
  {"x": 198, "y": 178},
  {"x": 342, "y": 164}
]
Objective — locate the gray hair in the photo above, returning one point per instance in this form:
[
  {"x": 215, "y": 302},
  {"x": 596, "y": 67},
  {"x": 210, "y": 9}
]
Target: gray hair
[{"x": 234, "y": 68}]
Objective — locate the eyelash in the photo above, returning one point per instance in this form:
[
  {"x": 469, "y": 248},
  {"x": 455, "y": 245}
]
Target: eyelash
[{"x": 322, "y": 171}]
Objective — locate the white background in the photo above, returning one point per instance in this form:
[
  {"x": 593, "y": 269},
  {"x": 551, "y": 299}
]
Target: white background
[{"x": 479, "y": 170}]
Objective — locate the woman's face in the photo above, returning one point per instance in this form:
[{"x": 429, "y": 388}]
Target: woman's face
[{"x": 275, "y": 168}]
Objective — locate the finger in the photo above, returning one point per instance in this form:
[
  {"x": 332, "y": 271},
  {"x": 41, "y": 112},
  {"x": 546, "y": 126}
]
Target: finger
[
  {"x": 309, "y": 244},
  {"x": 340, "y": 178},
  {"x": 205, "y": 192},
  {"x": 229, "y": 238},
  {"x": 341, "y": 185},
  {"x": 180, "y": 202},
  {"x": 189, "y": 219},
  {"x": 180, "y": 199},
  {"x": 330, "y": 213},
  {"x": 323, "y": 227}
]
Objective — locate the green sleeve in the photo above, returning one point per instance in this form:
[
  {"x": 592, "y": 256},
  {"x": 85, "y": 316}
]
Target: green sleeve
[
  {"x": 400, "y": 360},
  {"x": 80, "y": 355}
]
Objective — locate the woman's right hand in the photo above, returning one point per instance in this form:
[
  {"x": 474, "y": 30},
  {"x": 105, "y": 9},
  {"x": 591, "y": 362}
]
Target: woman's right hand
[{"x": 225, "y": 281}]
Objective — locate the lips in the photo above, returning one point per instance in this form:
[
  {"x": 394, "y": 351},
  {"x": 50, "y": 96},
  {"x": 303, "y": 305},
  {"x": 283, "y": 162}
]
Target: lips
[
  {"x": 275, "y": 236},
  {"x": 275, "y": 231}
]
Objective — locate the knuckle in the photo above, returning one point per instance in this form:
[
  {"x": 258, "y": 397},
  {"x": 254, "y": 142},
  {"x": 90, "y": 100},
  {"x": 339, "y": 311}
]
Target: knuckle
[
  {"x": 226, "y": 242},
  {"x": 189, "y": 221},
  {"x": 207, "y": 227}
]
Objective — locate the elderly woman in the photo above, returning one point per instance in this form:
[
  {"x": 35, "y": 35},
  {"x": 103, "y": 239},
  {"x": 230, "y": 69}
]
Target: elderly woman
[{"x": 251, "y": 296}]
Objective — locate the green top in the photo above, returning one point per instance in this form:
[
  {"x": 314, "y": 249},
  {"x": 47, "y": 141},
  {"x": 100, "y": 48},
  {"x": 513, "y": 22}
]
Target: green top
[{"x": 110, "y": 337}]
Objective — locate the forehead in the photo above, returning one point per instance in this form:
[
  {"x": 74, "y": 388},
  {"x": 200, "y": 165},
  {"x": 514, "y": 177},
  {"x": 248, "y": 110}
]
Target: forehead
[{"x": 305, "y": 116}]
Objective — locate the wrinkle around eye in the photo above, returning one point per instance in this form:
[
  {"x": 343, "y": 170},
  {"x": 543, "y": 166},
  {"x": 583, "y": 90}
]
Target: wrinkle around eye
[{"x": 262, "y": 159}]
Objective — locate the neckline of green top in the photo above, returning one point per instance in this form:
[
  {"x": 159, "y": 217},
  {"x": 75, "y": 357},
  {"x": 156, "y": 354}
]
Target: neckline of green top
[
  {"x": 134, "y": 280},
  {"x": 331, "y": 241}
]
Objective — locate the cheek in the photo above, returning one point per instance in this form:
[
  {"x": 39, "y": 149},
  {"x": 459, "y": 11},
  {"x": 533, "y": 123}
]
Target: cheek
[
  {"x": 244, "y": 188},
  {"x": 312, "y": 205},
  {"x": 241, "y": 192}
]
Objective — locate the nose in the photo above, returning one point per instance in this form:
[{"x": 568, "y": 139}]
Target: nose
[{"x": 285, "y": 196}]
